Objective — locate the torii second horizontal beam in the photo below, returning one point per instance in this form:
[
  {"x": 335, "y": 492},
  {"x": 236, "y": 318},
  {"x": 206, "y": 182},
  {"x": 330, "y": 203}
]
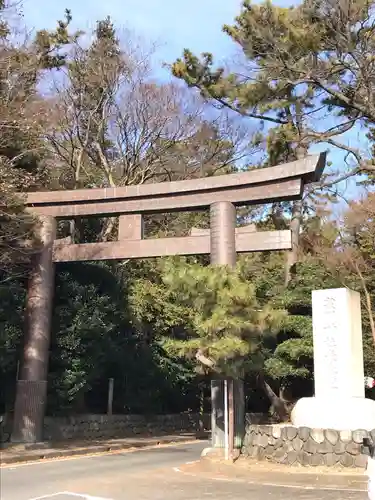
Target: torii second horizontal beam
[{"x": 160, "y": 247}]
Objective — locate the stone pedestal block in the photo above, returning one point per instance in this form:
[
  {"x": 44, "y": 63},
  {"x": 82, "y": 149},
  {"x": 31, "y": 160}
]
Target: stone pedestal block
[{"x": 338, "y": 414}]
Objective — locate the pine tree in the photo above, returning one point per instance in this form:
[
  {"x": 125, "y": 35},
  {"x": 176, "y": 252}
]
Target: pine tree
[
  {"x": 209, "y": 315},
  {"x": 281, "y": 49},
  {"x": 319, "y": 50}
]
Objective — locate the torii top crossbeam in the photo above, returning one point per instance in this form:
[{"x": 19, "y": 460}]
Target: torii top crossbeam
[{"x": 283, "y": 182}]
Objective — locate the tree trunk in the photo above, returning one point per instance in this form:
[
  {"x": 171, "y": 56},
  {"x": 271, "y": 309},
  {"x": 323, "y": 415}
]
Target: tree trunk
[
  {"x": 295, "y": 226},
  {"x": 295, "y": 223},
  {"x": 368, "y": 301},
  {"x": 276, "y": 402}
]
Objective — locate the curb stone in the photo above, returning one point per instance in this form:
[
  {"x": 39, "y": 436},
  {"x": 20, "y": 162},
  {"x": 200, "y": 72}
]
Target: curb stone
[
  {"x": 215, "y": 456},
  {"x": 287, "y": 477},
  {"x": 45, "y": 454}
]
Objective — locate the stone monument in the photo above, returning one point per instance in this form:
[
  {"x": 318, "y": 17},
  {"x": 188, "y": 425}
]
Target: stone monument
[{"x": 339, "y": 401}]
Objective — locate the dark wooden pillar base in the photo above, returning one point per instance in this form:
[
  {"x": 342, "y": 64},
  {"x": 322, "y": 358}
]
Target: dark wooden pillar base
[{"x": 29, "y": 411}]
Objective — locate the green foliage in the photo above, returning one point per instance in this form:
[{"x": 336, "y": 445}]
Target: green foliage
[
  {"x": 93, "y": 341},
  {"x": 207, "y": 314},
  {"x": 287, "y": 357},
  {"x": 85, "y": 327},
  {"x": 310, "y": 275},
  {"x": 49, "y": 44},
  {"x": 293, "y": 356},
  {"x": 12, "y": 299}
]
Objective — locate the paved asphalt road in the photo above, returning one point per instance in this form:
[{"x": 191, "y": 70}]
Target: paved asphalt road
[{"x": 142, "y": 475}]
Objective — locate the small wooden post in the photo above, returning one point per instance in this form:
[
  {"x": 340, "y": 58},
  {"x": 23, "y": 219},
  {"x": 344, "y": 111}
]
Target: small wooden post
[
  {"x": 110, "y": 396},
  {"x": 231, "y": 419},
  {"x": 226, "y": 421}
]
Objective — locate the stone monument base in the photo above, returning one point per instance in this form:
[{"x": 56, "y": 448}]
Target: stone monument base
[
  {"x": 339, "y": 414},
  {"x": 301, "y": 446}
]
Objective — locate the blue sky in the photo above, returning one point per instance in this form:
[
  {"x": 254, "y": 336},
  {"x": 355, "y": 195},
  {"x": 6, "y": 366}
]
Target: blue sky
[{"x": 195, "y": 24}]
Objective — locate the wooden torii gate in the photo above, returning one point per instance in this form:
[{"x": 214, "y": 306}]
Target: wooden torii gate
[{"x": 220, "y": 194}]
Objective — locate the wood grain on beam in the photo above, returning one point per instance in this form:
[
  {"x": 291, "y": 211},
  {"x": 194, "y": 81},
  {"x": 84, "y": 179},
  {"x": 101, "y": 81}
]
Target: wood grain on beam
[
  {"x": 189, "y": 245},
  {"x": 308, "y": 169},
  {"x": 284, "y": 190}
]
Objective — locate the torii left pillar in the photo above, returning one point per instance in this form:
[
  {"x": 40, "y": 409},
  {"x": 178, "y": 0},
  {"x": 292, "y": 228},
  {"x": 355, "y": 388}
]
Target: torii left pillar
[{"x": 31, "y": 393}]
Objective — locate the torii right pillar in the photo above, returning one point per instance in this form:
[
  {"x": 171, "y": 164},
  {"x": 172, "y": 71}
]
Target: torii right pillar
[{"x": 223, "y": 252}]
